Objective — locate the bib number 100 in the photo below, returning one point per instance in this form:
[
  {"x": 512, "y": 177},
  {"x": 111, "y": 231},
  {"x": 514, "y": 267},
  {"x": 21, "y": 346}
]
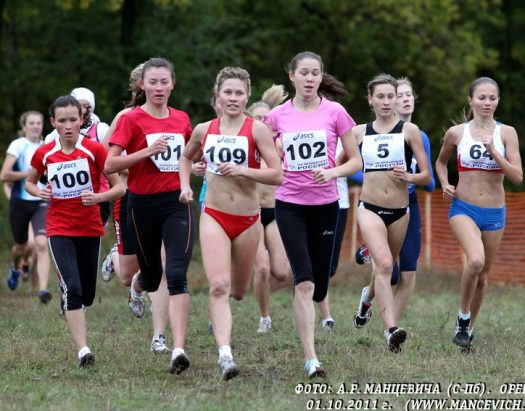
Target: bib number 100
[{"x": 70, "y": 180}]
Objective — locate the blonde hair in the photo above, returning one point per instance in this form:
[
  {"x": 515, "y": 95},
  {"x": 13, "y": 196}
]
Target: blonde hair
[
  {"x": 23, "y": 119},
  {"x": 406, "y": 81},
  {"x": 271, "y": 98},
  {"x": 228, "y": 73}
]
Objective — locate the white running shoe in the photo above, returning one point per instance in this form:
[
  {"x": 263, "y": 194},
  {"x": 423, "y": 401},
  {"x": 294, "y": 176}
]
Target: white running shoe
[
  {"x": 314, "y": 368},
  {"x": 135, "y": 301},
  {"x": 265, "y": 325},
  {"x": 158, "y": 345},
  {"x": 364, "y": 311},
  {"x": 328, "y": 324},
  {"x": 108, "y": 269},
  {"x": 228, "y": 368}
]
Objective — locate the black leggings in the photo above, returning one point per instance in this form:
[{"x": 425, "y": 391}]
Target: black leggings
[
  {"x": 308, "y": 233},
  {"x": 155, "y": 218},
  {"x": 339, "y": 236},
  {"x": 76, "y": 262}
]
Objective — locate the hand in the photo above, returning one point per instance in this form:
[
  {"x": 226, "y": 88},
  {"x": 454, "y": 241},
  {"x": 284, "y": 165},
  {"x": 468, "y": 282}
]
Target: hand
[
  {"x": 89, "y": 198},
  {"x": 488, "y": 143},
  {"x": 230, "y": 169},
  {"x": 323, "y": 175},
  {"x": 186, "y": 195},
  {"x": 199, "y": 169},
  {"x": 46, "y": 193},
  {"x": 401, "y": 174},
  {"x": 449, "y": 191},
  {"x": 158, "y": 146}
]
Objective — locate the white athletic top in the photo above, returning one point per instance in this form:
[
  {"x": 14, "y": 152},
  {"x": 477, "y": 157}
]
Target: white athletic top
[
  {"x": 472, "y": 155},
  {"x": 342, "y": 184},
  {"x": 383, "y": 151},
  {"x": 23, "y": 149}
]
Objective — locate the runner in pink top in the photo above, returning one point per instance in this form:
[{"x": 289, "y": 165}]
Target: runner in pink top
[{"x": 307, "y": 129}]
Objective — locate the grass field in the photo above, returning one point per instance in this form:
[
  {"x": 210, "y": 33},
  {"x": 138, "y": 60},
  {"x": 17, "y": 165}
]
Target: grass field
[{"x": 39, "y": 367}]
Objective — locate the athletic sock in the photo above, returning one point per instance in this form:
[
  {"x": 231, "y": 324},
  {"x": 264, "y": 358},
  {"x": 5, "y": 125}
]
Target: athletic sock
[
  {"x": 83, "y": 351},
  {"x": 463, "y": 316},
  {"x": 365, "y": 297},
  {"x": 225, "y": 351}
]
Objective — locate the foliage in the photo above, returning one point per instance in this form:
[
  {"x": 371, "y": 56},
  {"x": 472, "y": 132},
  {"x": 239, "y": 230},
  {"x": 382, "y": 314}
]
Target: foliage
[{"x": 49, "y": 47}]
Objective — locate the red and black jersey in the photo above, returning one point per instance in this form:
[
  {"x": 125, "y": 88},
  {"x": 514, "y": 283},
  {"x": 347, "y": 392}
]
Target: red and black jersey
[
  {"x": 68, "y": 216},
  {"x": 131, "y": 134}
]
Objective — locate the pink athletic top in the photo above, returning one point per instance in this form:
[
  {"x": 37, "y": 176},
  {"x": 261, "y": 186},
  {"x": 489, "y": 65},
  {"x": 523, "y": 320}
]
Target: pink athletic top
[{"x": 309, "y": 142}]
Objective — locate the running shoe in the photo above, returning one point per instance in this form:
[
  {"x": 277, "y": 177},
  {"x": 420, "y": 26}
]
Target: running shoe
[
  {"x": 362, "y": 255},
  {"x": 86, "y": 358},
  {"x": 328, "y": 324},
  {"x": 12, "y": 278},
  {"x": 136, "y": 305},
  {"x": 461, "y": 336},
  {"x": 179, "y": 363},
  {"x": 228, "y": 368},
  {"x": 314, "y": 368},
  {"x": 44, "y": 296},
  {"x": 396, "y": 337},
  {"x": 158, "y": 345},
  {"x": 265, "y": 325},
  {"x": 135, "y": 301},
  {"x": 468, "y": 349},
  {"x": 108, "y": 269},
  {"x": 363, "y": 313}
]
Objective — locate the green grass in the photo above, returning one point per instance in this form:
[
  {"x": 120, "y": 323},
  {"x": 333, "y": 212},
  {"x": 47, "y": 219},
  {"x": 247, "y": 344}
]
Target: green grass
[{"x": 38, "y": 366}]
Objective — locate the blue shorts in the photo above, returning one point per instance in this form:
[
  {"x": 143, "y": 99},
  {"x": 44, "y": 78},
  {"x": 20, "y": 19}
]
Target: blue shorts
[
  {"x": 487, "y": 219},
  {"x": 409, "y": 253}
]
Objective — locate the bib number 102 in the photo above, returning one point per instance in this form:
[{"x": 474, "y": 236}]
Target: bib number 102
[
  {"x": 70, "y": 180},
  {"x": 305, "y": 150}
]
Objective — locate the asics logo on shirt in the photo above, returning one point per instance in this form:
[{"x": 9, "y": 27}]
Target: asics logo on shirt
[
  {"x": 226, "y": 139},
  {"x": 328, "y": 232},
  {"x": 301, "y": 136},
  {"x": 66, "y": 165},
  {"x": 383, "y": 137}
]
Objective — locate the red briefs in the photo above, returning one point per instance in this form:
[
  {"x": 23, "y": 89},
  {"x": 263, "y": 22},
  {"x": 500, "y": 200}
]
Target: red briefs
[{"x": 233, "y": 225}]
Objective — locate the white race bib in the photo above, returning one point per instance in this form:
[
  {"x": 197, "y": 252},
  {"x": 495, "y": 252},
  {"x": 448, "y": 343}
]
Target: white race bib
[
  {"x": 305, "y": 150},
  {"x": 220, "y": 149},
  {"x": 477, "y": 157},
  {"x": 383, "y": 151},
  {"x": 169, "y": 160},
  {"x": 69, "y": 178}
]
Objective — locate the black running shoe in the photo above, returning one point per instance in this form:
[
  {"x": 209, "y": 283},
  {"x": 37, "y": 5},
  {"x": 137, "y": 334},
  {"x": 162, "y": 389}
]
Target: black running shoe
[
  {"x": 395, "y": 338},
  {"x": 87, "y": 360},
  {"x": 461, "y": 336}
]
